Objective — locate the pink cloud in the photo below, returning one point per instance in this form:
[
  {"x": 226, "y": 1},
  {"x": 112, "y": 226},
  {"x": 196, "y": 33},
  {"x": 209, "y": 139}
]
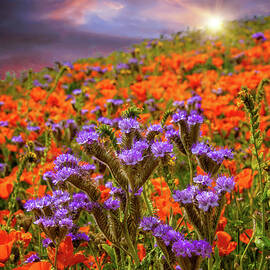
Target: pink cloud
[{"x": 74, "y": 11}]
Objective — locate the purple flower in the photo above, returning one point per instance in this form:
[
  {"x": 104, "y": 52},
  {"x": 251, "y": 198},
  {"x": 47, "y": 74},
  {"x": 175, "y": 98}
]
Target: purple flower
[
  {"x": 89, "y": 128},
  {"x": 259, "y": 35},
  {"x": 77, "y": 92},
  {"x": 200, "y": 148},
  {"x": 131, "y": 157},
  {"x": 105, "y": 120},
  {"x": 160, "y": 149},
  {"x": 171, "y": 133},
  {"x": 32, "y": 258},
  {"x": 194, "y": 119},
  {"x": 133, "y": 61},
  {"x": 17, "y": 139},
  {"x": 111, "y": 204},
  {"x": 47, "y": 77},
  {"x": 115, "y": 102},
  {"x": 46, "y": 242},
  {"x": 224, "y": 184},
  {"x": 127, "y": 124},
  {"x": 79, "y": 237},
  {"x": 179, "y": 104},
  {"x": 183, "y": 248},
  {"x": 207, "y": 199},
  {"x": 179, "y": 116},
  {"x": 61, "y": 213},
  {"x": 47, "y": 222},
  {"x": 155, "y": 128},
  {"x": 2, "y": 166},
  {"x": 65, "y": 222},
  {"x": 148, "y": 223},
  {"x": 85, "y": 137},
  {"x": 97, "y": 108},
  {"x": 202, "y": 248},
  {"x": 140, "y": 146},
  {"x": 186, "y": 195},
  {"x": 50, "y": 175},
  {"x": 3, "y": 123},
  {"x": 203, "y": 180},
  {"x": 194, "y": 99},
  {"x": 122, "y": 66},
  {"x": 66, "y": 160},
  {"x": 63, "y": 174}
]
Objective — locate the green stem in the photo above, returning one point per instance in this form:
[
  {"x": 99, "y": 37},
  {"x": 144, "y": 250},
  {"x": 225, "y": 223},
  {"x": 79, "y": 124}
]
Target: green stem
[
  {"x": 149, "y": 208},
  {"x": 129, "y": 242},
  {"x": 56, "y": 253},
  {"x": 250, "y": 240}
]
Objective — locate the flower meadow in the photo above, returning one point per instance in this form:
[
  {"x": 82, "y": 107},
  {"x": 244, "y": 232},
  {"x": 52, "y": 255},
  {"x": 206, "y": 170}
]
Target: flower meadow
[{"x": 152, "y": 158}]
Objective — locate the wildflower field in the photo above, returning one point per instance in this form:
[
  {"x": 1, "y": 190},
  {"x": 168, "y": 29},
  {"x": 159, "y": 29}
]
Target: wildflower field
[{"x": 153, "y": 158}]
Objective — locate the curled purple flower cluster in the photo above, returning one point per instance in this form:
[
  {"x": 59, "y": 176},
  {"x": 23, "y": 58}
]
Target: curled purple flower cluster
[
  {"x": 126, "y": 125},
  {"x": 180, "y": 246},
  {"x": 210, "y": 159},
  {"x": 86, "y": 137},
  {"x": 201, "y": 197}
]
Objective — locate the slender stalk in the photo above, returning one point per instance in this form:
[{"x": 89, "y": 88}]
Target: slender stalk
[
  {"x": 129, "y": 242},
  {"x": 246, "y": 249},
  {"x": 56, "y": 253}
]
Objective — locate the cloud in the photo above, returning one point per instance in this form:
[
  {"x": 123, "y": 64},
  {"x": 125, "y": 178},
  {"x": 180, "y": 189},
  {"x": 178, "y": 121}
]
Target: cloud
[{"x": 74, "y": 11}]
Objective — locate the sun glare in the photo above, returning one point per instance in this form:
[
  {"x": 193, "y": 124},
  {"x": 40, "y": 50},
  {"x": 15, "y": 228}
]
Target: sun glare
[{"x": 214, "y": 23}]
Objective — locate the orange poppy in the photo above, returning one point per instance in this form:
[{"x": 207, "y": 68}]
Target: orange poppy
[
  {"x": 65, "y": 256},
  {"x": 246, "y": 235},
  {"x": 224, "y": 243},
  {"x": 6, "y": 243}
]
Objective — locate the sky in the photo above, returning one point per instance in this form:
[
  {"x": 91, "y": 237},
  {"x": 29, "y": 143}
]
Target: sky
[{"x": 35, "y": 33}]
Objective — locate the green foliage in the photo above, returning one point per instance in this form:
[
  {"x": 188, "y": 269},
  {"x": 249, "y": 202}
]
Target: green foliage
[
  {"x": 107, "y": 131},
  {"x": 132, "y": 112}
]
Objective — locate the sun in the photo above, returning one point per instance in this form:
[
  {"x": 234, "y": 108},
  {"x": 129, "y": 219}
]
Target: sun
[{"x": 215, "y": 23}]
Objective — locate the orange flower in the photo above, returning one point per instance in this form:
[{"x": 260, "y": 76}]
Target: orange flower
[
  {"x": 35, "y": 266},
  {"x": 246, "y": 235},
  {"x": 224, "y": 244},
  {"x": 141, "y": 251},
  {"x": 243, "y": 180},
  {"x": 6, "y": 186},
  {"x": 6, "y": 243},
  {"x": 65, "y": 256}
]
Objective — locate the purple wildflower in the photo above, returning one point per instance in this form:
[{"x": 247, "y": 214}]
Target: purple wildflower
[
  {"x": 46, "y": 242},
  {"x": 207, "y": 199},
  {"x": 160, "y": 149},
  {"x": 66, "y": 160},
  {"x": 17, "y": 139},
  {"x": 148, "y": 223},
  {"x": 203, "y": 180},
  {"x": 140, "y": 145},
  {"x": 127, "y": 124},
  {"x": 155, "y": 128},
  {"x": 200, "y": 148},
  {"x": 179, "y": 116},
  {"x": 32, "y": 258},
  {"x": 85, "y": 137},
  {"x": 194, "y": 119},
  {"x": 186, "y": 195},
  {"x": 63, "y": 174},
  {"x": 3, "y": 123},
  {"x": 111, "y": 204},
  {"x": 131, "y": 157},
  {"x": 224, "y": 184},
  {"x": 183, "y": 248},
  {"x": 202, "y": 248}
]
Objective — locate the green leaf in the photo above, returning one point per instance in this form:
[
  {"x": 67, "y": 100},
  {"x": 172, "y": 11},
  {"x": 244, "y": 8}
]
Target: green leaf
[
  {"x": 262, "y": 242},
  {"x": 217, "y": 263},
  {"x": 110, "y": 252}
]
